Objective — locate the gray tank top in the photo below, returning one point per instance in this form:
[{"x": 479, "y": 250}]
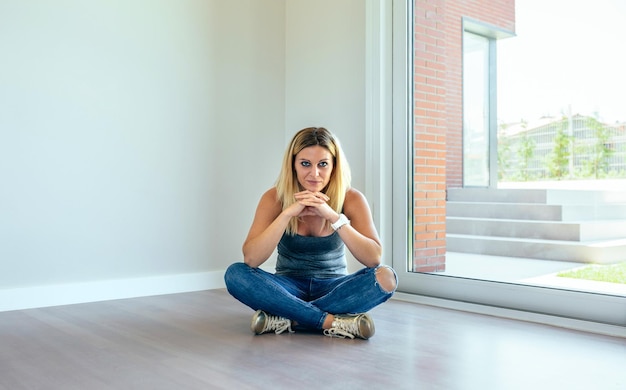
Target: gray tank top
[{"x": 305, "y": 256}]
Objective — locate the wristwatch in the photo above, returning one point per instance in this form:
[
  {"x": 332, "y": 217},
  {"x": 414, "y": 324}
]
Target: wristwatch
[{"x": 343, "y": 220}]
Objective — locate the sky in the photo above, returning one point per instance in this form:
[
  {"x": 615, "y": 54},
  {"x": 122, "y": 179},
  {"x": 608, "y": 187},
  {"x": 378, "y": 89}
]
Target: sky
[{"x": 565, "y": 54}]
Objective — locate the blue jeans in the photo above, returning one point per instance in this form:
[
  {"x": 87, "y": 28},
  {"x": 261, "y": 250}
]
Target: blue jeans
[{"x": 307, "y": 301}]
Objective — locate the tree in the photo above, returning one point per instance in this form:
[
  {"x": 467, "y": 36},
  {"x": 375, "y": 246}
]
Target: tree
[
  {"x": 600, "y": 150},
  {"x": 525, "y": 151},
  {"x": 504, "y": 152},
  {"x": 558, "y": 160}
]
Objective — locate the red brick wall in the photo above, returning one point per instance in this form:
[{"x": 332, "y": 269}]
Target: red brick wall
[{"x": 438, "y": 114}]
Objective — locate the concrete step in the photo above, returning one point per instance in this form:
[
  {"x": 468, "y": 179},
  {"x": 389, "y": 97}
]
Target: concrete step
[
  {"x": 546, "y": 230},
  {"x": 535, "y": 211},
  {"x": 598, "y": 252},
  {"x": 540, "y": 196}
]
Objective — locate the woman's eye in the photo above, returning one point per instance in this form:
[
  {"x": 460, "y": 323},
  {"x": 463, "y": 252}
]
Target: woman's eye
[
  {"x": 305, "y": 164},
  {"x": 323, "y": 164}
]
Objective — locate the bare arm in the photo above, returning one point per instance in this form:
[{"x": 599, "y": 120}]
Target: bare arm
[
  {"x": 268, "y": 226},
  {"x": 360, "y": 236}
]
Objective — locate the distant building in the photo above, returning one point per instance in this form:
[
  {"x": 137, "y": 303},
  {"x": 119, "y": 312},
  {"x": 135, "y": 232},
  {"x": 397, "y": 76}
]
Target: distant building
[{"x": 541, "y": 137}]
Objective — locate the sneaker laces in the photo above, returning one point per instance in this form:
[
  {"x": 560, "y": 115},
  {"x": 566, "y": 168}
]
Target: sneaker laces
[
  {"x": 343, "y": 328},
  {"x": 337, "y": 332},
  {"x": 277, "y": 324}
]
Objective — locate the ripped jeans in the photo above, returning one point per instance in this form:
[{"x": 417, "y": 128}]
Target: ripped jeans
[{"x": 307, "y": 301}]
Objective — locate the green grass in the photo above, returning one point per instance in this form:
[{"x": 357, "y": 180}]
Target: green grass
[{"x": 612, "y": 273}]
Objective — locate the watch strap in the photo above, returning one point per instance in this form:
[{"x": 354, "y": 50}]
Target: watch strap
[{"x": 343, "y": 220}]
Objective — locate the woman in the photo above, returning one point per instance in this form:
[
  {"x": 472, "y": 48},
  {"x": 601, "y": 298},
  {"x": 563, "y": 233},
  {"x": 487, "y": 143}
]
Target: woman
[{"x": 311, "y": 215}]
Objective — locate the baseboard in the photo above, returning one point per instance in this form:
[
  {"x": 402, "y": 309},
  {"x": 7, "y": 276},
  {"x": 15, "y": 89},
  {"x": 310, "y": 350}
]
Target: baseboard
[
  {"x": 94, "y": 291},
  {"x": 561, "y": 322}
]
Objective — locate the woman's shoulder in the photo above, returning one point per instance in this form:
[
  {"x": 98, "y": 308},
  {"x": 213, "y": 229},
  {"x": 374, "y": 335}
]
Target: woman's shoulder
[
  {"x": 354, "y": 198},
  {"x": 269, "y": 205},
  {"x": 270, "y": 196},
  {"x": 356, "y": 207},
  {"x": 271, "y": 193},
  {"x": 352, "y": 194}
]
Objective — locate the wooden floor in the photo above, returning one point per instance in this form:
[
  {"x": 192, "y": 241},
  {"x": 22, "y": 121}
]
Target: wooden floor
[{"x": 202, "y": 340}]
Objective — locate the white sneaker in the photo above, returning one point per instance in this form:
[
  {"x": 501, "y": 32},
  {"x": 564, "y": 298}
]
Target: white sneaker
[
  {"x": 351, "y": 326},
  {"x": 263, "y": 323}
]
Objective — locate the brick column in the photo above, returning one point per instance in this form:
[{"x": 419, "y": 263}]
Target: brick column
[{"x": 429, "y": 164}]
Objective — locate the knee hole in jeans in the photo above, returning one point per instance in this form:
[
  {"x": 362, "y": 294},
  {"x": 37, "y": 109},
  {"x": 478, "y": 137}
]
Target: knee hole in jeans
[{"x": 386, "y": 278}]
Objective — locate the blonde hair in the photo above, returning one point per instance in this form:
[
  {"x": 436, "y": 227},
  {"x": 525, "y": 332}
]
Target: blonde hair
[{"x": 287, "y": 183}]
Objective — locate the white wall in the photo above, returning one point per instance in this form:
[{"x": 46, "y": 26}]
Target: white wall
[
  {"x": 136, "y": 137},
  {"x": 131, "y": 138},
  {"x": 248, "y": 114},
  {"x": 326, "y": 76},
  {"x": 326, "y": 72}
]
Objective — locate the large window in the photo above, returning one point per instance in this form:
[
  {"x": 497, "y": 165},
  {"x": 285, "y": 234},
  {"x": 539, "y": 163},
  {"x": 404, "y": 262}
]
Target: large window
[{"x": 562, "y": 303}]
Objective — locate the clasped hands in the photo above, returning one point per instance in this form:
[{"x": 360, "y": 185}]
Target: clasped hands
[{"x": 312, "y": 203}]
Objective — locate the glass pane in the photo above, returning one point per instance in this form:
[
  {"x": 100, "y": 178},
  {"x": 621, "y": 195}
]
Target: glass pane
[
  {"x": 505, "y": 236},
  {"x": 475, "y": 110}
]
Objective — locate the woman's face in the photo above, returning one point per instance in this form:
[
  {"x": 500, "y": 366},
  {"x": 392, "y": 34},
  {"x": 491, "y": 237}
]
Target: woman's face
[{"x": 313, "y": 166}]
